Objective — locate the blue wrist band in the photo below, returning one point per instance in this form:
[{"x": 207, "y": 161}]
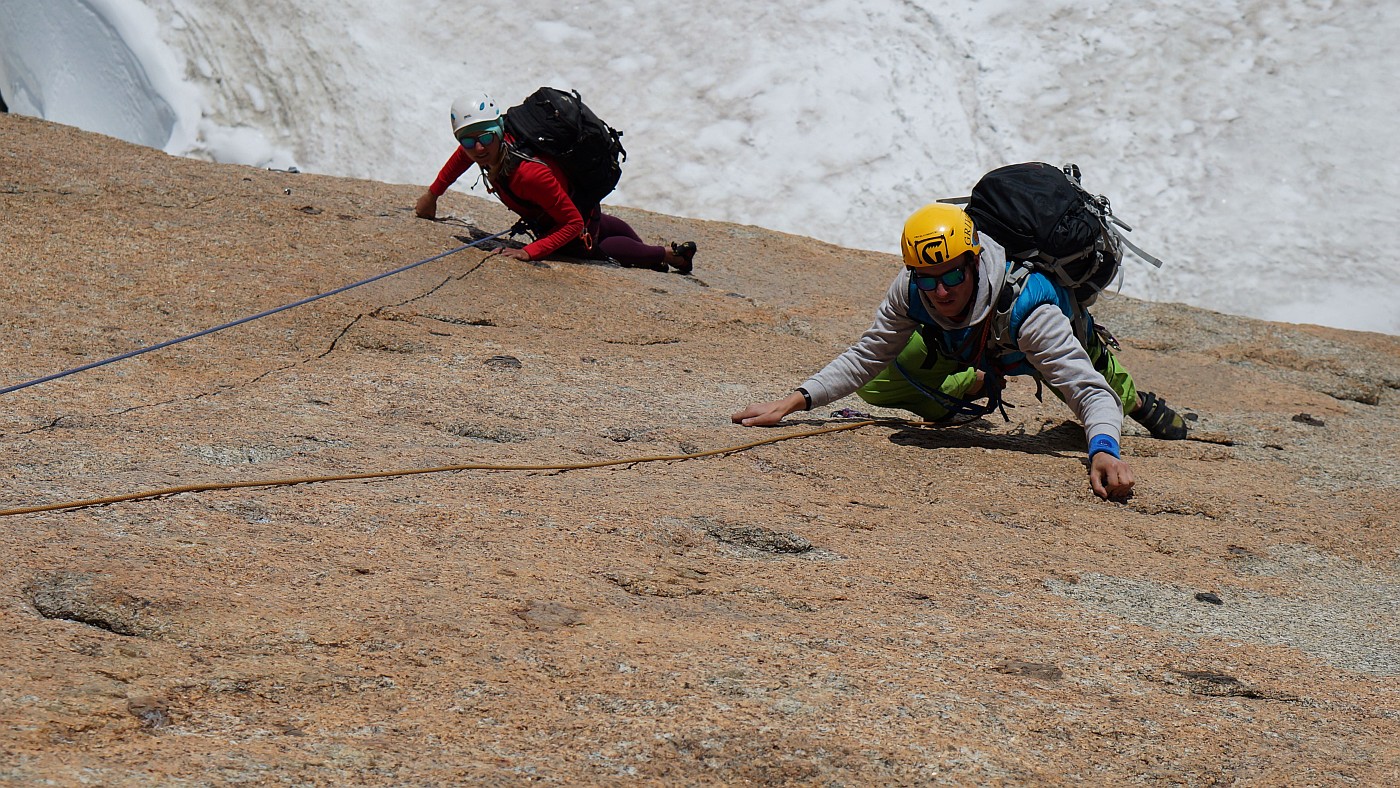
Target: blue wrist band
[{"x": 1103, "y": 443}]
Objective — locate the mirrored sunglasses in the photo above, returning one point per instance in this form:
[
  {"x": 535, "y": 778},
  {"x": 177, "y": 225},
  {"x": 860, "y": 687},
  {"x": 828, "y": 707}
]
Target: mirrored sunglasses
[
  {"x": 470, "y": 141},
  {"x": 949, "y": 279}
]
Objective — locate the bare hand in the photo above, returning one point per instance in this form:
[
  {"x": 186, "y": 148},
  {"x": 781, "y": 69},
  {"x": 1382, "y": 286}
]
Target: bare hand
[
  {"x": 1110, "y": 477},
  {"x": 515, "y": 254},
  {"x": 766, "y": 414},
  {"x": 426, "y": 207}
]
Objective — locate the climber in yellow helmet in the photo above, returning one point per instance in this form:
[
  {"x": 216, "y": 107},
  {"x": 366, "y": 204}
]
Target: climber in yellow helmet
[{"x": 956, "y": 321}]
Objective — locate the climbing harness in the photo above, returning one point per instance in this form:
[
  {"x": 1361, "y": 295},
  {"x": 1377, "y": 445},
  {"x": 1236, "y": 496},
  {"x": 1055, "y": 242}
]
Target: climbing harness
[
  {"x": 231, "y": 324},
  {"x": 973, "y": 352}
]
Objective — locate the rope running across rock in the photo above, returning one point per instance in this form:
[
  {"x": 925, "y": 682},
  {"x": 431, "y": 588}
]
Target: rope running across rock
[
  {"x": 194, "y": 488},
  {"x": 250, "y": 318}
]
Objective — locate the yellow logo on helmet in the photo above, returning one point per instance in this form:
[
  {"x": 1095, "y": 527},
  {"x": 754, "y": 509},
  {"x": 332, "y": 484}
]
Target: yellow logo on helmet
[{"x": 931, "y": 250}]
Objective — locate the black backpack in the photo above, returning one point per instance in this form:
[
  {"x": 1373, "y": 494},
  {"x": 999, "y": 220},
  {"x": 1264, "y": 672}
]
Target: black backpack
[
  {"x": 1043, "y": 216},
  {"x": 560, "y": 127}
]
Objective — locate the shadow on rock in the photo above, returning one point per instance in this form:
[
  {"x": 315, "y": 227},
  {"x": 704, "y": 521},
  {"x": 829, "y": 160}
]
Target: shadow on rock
[{"x": 1055, "y": 442}]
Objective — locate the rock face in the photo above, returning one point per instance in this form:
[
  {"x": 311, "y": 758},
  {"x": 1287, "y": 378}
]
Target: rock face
[{"x": 884, "y": 605}]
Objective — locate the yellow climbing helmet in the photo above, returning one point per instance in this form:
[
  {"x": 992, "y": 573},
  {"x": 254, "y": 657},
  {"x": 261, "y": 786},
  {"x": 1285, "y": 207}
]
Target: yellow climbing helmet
[{"x": 936, "y": 234}]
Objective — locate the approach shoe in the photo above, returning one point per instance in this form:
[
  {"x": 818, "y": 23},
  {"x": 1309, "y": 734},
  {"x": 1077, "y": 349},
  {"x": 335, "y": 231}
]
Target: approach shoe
[
  {"x": 686, "y": 251},
  {"x": 1160, "y": 420}
]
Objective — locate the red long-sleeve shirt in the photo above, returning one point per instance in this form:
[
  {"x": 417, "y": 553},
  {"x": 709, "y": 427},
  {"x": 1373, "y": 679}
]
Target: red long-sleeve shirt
[{"x": 535, "y": 190}]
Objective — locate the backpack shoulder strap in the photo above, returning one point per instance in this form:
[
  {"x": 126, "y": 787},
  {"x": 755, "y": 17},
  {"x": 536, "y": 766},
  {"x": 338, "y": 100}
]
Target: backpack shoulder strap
[
  {"x": 1003, "y": 329},
  {"x": 1000, "y": 334}
]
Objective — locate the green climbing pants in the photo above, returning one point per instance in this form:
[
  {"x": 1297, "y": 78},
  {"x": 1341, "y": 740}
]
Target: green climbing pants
[{"x": 891, "y": 389}]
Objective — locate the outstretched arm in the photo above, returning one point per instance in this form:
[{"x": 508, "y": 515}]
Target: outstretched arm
[
  {"x": 1047, "y": 339},
  {"x": 880, "y": 344}
]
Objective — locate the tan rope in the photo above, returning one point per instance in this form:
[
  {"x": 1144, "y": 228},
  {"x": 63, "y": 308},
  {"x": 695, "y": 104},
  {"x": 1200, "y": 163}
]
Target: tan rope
[{"x": 188, "y": 488}]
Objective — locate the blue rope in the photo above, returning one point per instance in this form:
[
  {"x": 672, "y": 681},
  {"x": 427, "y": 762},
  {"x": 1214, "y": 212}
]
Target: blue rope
[{"x": 241, "y": 321}]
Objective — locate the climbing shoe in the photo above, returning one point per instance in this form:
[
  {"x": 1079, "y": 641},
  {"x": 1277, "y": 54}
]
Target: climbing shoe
[
  {"x": 686, "y": 252},
  {"x": 1160, "y": 420}
]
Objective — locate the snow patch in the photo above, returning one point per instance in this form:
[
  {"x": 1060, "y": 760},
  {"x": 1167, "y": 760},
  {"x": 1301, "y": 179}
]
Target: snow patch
[{"x": 1214, "y": 126}]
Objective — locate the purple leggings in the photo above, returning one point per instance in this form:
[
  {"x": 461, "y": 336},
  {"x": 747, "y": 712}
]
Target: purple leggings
[{"x": 616, "y": 239}]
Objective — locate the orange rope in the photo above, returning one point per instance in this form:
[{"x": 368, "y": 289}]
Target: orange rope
[{"x": 188, "y": 488}]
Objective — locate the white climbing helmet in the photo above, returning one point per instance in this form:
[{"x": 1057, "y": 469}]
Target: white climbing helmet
[{"x": 474, "y": 109}]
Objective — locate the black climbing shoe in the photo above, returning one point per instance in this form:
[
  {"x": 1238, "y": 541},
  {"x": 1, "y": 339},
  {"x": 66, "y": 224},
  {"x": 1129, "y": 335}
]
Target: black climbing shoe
[
  {"x": 1160, "y": 420},
  {"x": 686, "y": 252}
]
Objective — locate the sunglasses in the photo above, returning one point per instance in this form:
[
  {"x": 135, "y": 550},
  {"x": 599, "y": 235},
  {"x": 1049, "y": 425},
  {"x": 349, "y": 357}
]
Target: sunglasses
[
  {"x": 484, "y": 138},
  {"x": 949, "y": 279}
]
